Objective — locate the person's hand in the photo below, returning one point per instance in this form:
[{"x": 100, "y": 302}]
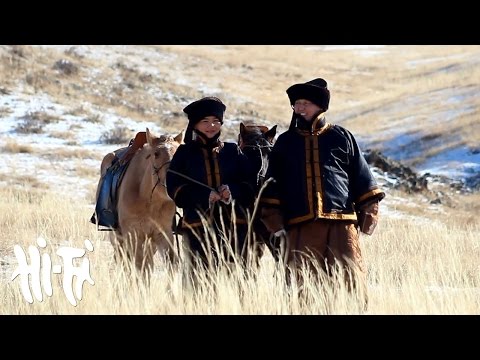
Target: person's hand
[
  {"x": 226, "y": 195},
  {"x": 368, "y": 218},
  {"x": 214, "y": 197},
  {"x": 280, "y": 233}
]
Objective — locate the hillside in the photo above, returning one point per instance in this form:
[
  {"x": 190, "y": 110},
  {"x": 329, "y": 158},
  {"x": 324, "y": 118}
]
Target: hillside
[{"x": 63, "y": 107}]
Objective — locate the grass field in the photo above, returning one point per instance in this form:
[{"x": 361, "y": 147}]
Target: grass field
[{"x": 415, "y": 266}]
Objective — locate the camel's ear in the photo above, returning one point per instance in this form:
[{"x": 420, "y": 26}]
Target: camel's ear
[
  {"x": 149, "y": 138},
  {"x": 270, "y": 134},
  {"x": 179, "y": 137},
  {"x": 242, "y": 128}
]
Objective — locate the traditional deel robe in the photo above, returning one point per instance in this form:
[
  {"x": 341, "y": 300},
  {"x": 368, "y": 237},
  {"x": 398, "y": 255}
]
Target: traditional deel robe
[
  {"x": 319, "y": 173},
  {"x": 213, "y": 164}
]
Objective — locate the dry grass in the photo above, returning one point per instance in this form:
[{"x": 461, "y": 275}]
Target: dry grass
[
  {"x": 86, "y": 172},
  {"x": 66, "y": 153},
  {"x": 21, "y": 181},
  {"x": 120, "y": 134},
  {"x": 15, "y": 148},
  {"x": 65, "y": 135},
  {"x": 4, "y": 110},
  {"x": 34, "y": 122},
  {"x": 414, "y": 267},
  {"x": 78, "y": 111},
  {"x": 95, "y": 118}
]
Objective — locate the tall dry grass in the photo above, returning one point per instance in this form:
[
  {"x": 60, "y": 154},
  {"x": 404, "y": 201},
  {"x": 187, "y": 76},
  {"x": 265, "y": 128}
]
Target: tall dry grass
[{"x": 414, "y": 267}]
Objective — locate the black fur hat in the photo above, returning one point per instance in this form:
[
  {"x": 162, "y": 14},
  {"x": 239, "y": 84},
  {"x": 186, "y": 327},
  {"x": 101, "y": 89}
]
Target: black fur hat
[
  {"x": 315, "y": 91},
  {"x": 208, "y": 106},
  {"x": 198, "y": 110}
]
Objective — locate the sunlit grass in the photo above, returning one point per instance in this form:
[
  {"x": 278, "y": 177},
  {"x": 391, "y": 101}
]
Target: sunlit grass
[{"x": 413, "y": 267}]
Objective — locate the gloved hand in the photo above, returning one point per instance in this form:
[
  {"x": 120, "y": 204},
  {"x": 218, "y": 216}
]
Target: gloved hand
[
  {"x": 280, "y": 233},
  {"x": 226, "y": 195},
  {"x": 213, "y": 197},
  {"x": 368, "y": 218}
]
